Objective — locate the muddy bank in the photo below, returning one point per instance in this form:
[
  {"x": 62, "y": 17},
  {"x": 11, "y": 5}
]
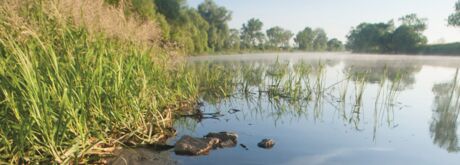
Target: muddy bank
[{"x": 142, "y": 156}]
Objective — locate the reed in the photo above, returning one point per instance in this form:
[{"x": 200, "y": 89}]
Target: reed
[{"x": 67, "y": 94}]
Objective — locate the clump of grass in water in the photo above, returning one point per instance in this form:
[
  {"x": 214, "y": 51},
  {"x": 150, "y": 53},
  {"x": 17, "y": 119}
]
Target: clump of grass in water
[{"x": 66, "y": 94}]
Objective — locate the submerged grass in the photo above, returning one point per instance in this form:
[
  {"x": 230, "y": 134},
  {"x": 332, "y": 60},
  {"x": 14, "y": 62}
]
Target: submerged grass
[
  {"x": 67, "y": 94},
  {"x": 297, "y": 89}
]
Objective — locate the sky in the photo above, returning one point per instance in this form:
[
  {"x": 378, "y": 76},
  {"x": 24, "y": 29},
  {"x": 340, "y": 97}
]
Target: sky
[{"x": 337, "y": 17}]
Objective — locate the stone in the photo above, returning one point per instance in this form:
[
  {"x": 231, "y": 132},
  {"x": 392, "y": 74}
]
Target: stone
[
  {"x": 266, "y": 143},
  {"x": 226, "y": 139},
  {"x": 188, "y": 145}
]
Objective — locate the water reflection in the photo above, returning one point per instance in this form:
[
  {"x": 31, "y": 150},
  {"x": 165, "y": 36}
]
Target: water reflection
[
  {"x": 376, "y": 71},
  {"x": 303, "y": 88},
  {"x": 316, "y": 107},
  {"x": 445, "y": 115}
]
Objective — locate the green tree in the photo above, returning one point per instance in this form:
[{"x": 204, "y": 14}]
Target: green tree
[
  {"x": 171, "y": 9},
  {"x": 217, "y": 18},
  {"x": 370, "y": 37},
  {"x": 304, "y": 39},
  {"x": 187, "y": 28},
  {"x": 191, "y": 33},
  {"x": 454, "y": 19},
  {"x": 233, "y": 41},
  {"x": 320, "y": 40},
  {"x": 251, "y": 34},
  {"x": 406, "y": 39},
  {"x": 278, "y": 37},
  {"x": 413, "y": 21},
  {"x": 334, "y": 45}
]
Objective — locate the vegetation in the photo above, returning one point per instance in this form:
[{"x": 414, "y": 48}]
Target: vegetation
[
  {"x": 70, "y": 88},
  {"x": 385, "y": 38},
  {"x": 454, "y": 19},
  {"x": 80, "y": 77},
  {"x": 407, "y": 38},
  {"x": 441, "y": 49},
  {"x": 205, "y": 29},
  {"x": 278, "y": 37}
]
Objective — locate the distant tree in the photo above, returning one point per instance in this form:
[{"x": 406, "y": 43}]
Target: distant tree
[
  {"x": 405, "y": 39},
  {"x": 191, "y": 34},
  {"x": 384, "y": 38},
  {"x": 413, "y": 21},
  {"x": 334, "y": 45},
  {"x": 278, "y": 37},
  {"x": 370, "y": 37},
  {"x": 408, "y": 37},
  {"x": 304, "y": 39},
  {"x": 171, "y": 9},
  {"x": 217, "y": 18},
  {"x": 320, "y": 40},
  {"x": 233, "y": 41},
  {"x": 251, "y": 34},
  {"x": 454, "y": 19}
]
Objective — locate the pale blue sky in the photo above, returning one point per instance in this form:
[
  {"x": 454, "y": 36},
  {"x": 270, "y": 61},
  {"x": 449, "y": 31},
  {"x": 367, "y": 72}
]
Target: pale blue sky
[{"x": 338, "y": 16}]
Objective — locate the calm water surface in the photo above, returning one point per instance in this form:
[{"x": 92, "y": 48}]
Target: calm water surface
[{"x": 370, "y": 109}]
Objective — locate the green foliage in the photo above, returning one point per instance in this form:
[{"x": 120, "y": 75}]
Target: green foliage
[
  {"x": 334, "y": 45},
  {"x": 251, "y": 34},
  {"x": 454, "y": 19},
  {"x": 372, "y": 38},
  {"x": 171, "y": 9},
  {"x": 233, "y": 41},
  {"x": 66, "y": 94},
  {"x": 304, "y": 39},
  {"x": 412, "y": 21},
  {"x": 406, "y": 40},
  {"x": 311, "y": 40},
  {"x": 278, "y": 37},
  {"x": 217, "y": 18},
  {"x": 384, "y": 38},
  {"x": 320, "y": 41},
  {"x": 191, "y": 34}
]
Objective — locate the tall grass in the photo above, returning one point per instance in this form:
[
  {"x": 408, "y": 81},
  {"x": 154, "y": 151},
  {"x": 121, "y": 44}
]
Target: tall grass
[{"x": 66, "y": 93}]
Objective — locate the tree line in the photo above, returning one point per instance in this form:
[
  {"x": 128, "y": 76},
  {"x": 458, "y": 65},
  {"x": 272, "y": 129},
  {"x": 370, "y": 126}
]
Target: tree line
[
  {"x": 406, "y": 38},
  {"x": 205, "y": 29}
]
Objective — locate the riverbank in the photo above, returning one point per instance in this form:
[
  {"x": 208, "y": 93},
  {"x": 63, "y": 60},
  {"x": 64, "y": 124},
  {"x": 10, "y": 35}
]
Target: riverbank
[{"x": 78, "y": 79}]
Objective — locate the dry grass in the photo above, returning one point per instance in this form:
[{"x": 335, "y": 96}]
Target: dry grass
[
  {"x": 68, "y": 92},
  {"x": 97, "y": 16}
]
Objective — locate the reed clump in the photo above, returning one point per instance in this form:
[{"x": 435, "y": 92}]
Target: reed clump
[{"x": 68, "y": 92}]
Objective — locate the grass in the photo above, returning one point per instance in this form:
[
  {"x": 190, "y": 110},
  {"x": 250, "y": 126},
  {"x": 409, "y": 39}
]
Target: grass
[
  {"x": 297, "y": 89},
  {"x": 72, "y": 91},
  {"x": 68, "y": 94}
]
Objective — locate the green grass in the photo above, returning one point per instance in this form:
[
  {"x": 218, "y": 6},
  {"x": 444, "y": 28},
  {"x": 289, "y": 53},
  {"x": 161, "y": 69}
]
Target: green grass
[{"x": 66, "y": 95}]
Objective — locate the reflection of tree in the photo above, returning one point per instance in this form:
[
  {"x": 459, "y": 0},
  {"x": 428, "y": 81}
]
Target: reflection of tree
[
  {"x": 444, "y": 125},
  {"x": 288, "y": 85},
  {"x": 375, "y": 71}
]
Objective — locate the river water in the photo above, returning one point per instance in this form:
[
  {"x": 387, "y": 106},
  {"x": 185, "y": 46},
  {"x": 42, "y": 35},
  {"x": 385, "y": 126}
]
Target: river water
[{"x": 331, "y": 108}]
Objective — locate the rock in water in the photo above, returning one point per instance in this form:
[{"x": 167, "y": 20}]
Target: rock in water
[
  {"x": 226, "y": 139},
  {"x": 188, "y": 145},
  {"x": 266, "y": 143}
]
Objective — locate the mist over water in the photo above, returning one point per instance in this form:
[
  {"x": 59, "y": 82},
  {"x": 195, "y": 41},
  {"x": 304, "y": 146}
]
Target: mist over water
[{"x": 332, "y": 108}]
